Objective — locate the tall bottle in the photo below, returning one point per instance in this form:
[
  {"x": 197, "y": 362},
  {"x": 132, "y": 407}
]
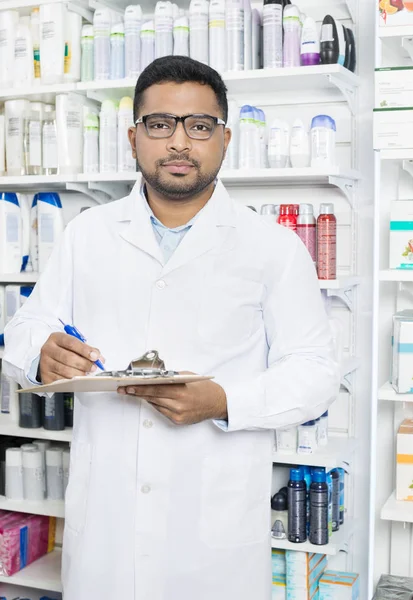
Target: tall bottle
[
  {"x": 217, "y": 36},
  {"x": 147, "y": 44},
  {"x": 310, "y": 43},
  {"x": 297, "y": 512},
  {"x": 35, "y": 31},
  {"x": 102, "y": 22},
  {"x": 163, "y": 28},
  {"x": 292, "y": 36},
  {"x": 198, "y": 30},
  {"x": 306, "y": 229},
  {"x": 234, "y": 19},
  {"x": 231, "y": 160},
  {"x": 108, "y": 139},
  {"x": 300, "y": 156},
  {"x": 9, "y": 20},
  {"x": 49, "y": 142},
  {"x": 50, "y": 224},
  {"x": 273, "y": 34},
  {"x": 249, "y": 139},
  {"x": 91, "y": 143},
  {"x": 263, "y": 138},
  {"x": 117, "y": 51},
  {"x": 278, "y": 144},
  {"x": 73, "y": 36},
  {"x": 181, "y": 35},
  {"x": 126, "y": 162},
  {"x": 52, "y": 42},
  {"x": 327, "y": 242},
  {"x": 329, "y": 42},
  {"x": 133, "y": 24},
  {"x": 247, "y": 35},
  {"x": 15, "y": 111},
  {"x": 256, "y": 43},
  {"x": 319, "y": 509},
  {"x": 23, "y": 54},
  {"x": 33, "y": 143},
  {"x": 336, "y": 499},
  {"x": 87, "y": 61}
]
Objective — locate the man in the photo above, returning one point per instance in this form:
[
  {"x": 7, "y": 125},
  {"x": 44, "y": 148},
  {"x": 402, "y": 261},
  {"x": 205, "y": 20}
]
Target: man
[{"x": 170, "y": 485}]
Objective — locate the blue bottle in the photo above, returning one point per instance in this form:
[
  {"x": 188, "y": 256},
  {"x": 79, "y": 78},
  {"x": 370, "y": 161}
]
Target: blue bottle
[
  {"x": 319, "y": 509},
  {"x": 342, "y": 474},
  {"x": 297, "y": 507},
  {"x": 335, "y": 475}
]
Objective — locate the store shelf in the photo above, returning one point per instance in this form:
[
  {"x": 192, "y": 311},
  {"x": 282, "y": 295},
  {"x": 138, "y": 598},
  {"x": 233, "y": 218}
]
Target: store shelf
[
  {"x": 18, "y": 277},
  {"x": 50, "y": 508},
  {"x": 398, "y": 31},
  {"x": 396, "y": 510},
  {"x": 306, "y": 176},
  {"x": 397, "y": 154},
  {"x": 33, "y": 183},
  {"x": 44, "y": 574},
  {"x": 387, "y": 392},
  {"x": 336, "y": 454},
  {"x": 403, "y": 275},
  {"x": 46, "y": 93},
  {"x": 13, "y": 430},
  {"x": 342, "y": 282},
  {"x": 339, "y": 541}
]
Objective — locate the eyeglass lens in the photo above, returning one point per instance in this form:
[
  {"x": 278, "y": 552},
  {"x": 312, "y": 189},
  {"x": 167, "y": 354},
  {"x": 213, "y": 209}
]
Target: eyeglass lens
[{"x": 196, "y": 127}]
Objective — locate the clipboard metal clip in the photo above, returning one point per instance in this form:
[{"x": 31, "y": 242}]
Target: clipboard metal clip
[{"x": 148, "y": 365}]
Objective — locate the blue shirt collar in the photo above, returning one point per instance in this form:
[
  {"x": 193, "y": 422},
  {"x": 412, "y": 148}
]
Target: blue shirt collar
[{"x": 157, "y": 222}]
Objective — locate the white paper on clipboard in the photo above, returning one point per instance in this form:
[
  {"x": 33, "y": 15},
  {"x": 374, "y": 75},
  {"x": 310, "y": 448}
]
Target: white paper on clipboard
[{"x": 109, "y": 384}]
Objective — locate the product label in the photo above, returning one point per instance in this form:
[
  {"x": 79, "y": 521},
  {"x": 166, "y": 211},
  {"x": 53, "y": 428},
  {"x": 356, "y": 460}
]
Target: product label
[
  {"x": 12, "y": 234},
  {"x": 297, "y": 514},
  {"x": 68, "y": 58},
  {"x": 4, "y": 39},
  {"x": 36, "y": 59},
  {"x": 49, "y": 146},
  {"x": 163, "y": 24},
  {"x": 48, "y": 30},
  {"x": 14, "y": 127},
  {"x": 20, "y": 48},
  {"x": 235, "y": 20},
  {"x": 49, "y": 407},
  {"x": 327, "y": 33},
  {"x": 35, "y": 144},
  {"x": 218, "y": 23},
  {"x": 307, "y": 234},
  {"x": 73, "y": 119},
  {"x": 46, "y": 230},
  {"x": 198, "y": 22}
]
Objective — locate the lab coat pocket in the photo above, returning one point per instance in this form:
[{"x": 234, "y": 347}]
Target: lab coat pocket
[
  {"x": 77, "y": 492},
  {"x": 234, "y": 501}
]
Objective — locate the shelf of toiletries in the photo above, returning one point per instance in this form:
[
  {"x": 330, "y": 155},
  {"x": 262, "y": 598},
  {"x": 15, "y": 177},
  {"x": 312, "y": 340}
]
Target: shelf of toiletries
[
  {"x": 43, "y": 574},
  {"x": 339, "y": 541},
  {"x": 336, "y": 453},
  {"x": 397, "y": 510},
  {"x": 50, "y": 508}
]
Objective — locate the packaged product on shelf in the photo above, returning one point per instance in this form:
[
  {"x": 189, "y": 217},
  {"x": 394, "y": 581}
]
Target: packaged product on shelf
[
  {"x": 102, "y": 22},
  {"x": 279, "y": 517},
  {"x": 234, "y": 21},
  {"x": 2, "y": 144},
  {"x": 335, "y": 476},
  {"x": 54, "y": 412},
  {"x": 404, "y": 461},
  {"x": 278, "y": 562},
  {"x": 54, "y": 473},
  {"x": 126, "y": 162},
  {"x": 288, "y": 217},
  {"x": 23, "y": 54},
  {"x": 327, "y": 243},
  {"x": 117, "y": 51},
  {"x": 91, "y": 143},
  {"x": 286, "y": 440},
  {"x": 256, "y": 39},
  {"x": 292, "y": 36},
  {"x": 402, "y": 363},
  {"x": 279, "y": 587},
  {"x": 391, "y": 587},
  {"x": 310, "y": 43},
  {"x": 307, "y": 438},
  {"x": 392, "y": 128},
  {"x": 52, "y": 42},
  {"x": 273, "y": 34},
  {"x": 11, "y": 235},
  {"x": 338, "y": 585},
  {"x": 33, "y": 473},
  {"x": 181, "y": 35},
  {"x": 147, "y": 43},
  {"x": 198, "y": 30},
  {"x": 217, "y": 43},
  {"x": 247, "y": 35},
  {"x": 163, "y": 28},
  {"x": 262, "y": 130},
  {"x": 24, "y": 539},
  {"x": 43, "y": 445},
  {"x": 249, "y": 138},
  {"x": 133, "y": 24},
  {"x": 297, "y": 507},
  {"x": 15, "y": 111},
  {"x": 323, "y": 141},
  {"x": 73, "y": 36},
  {"x": 319, "y": 509},
  {"x": 66, "y": 468},
  {"x": 342, "y": 474},
  {"x": 394, "y": 87},
  {"x": 307, "y": 230},
  {"x": 35, "y": 31},
  {"x": 2, "y": 318},
  {"x": 304, "y": 570},
  {"x": 69, "y": 125},
  {"x": 30, "y": 411},
  {"x": 50, "y": 224},
  {"x": 300, "y": 156},
  {"x": 108, "y": 137},
  {"x": 323, "y": 430},
  {"x": 231, "y": 160},
  {"x": 87, "y": 65},
  {"x": 401, "y": 235},
  {"x": 278, "y": 144},
  {"x": 329, "y": 43},
  {"x": 8, "y": 24},
  {"x": 49, "y": 141}
]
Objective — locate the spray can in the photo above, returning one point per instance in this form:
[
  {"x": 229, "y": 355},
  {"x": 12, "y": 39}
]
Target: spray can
[
  {"x": 336, "y": 499},
  {"x": 297, "y": 497},
  {"x": 54, "y": 412},
  {"x": 288, "y": 218},
  {"x": 87, "y": 61},
  {"x": 91, "y": 144},
  {"x": 342, "y": 475},
  {"x": 163, "y": 28},
  {"x": 102, "y": 22},
  {"x": 306, "y": 229},
  {"x": 292, "y": 36},
  {"x": 327, "y": 242},
  {"x": 268, "y": 213},
  {"x": 247, "y": 35},
  {"x": 133, "y": 23},
  {"x": 217, "y": 36},
  {"x": 319, "y": 508},
  {"x": 256, "y": 43},
  {"x": 329, "y": 481},
  {"x": 108, "y": 139},
  {"x": 308, "y": 480},
  {"x": 117, "y": 51},
  {"x": 234, "y": 19},
  {"x": 147, "y": 44},
  {"x": 181, "y": 36},
  {"x": 126, "y": 162},
  {"x": 198, "y": 30},
  {"x": 273, "y": 34},
  {"x": 249, "y": 139}
]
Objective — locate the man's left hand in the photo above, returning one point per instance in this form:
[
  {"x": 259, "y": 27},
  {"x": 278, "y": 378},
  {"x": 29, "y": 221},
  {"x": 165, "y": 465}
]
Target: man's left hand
[{"x": 184, "y": 404}]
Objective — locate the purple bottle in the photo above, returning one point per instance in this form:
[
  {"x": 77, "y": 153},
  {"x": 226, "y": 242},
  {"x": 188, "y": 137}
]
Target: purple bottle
[
  {"x": 292, "y": 36},
  {"x": 310, "y": 43}
]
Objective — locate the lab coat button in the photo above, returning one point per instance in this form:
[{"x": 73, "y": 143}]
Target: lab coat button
[
  {"x": 160, "y": 284},
  {"x": 145, "y": 489},
  {"x": 147, "y": 423}
]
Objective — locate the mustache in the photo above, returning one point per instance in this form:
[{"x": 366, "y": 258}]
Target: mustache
[{"x": 178, "y": 157}]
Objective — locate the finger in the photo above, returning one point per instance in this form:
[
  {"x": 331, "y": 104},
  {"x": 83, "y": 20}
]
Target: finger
[
  {"x": 173, "y": 417},
  {"x": 167, "y": 390},
  {"x": 65, "y": 372},
  {"x": 167, "y": 403},
  {"x": 71, "y": 359},
  {"x": 71, "y": 343}
]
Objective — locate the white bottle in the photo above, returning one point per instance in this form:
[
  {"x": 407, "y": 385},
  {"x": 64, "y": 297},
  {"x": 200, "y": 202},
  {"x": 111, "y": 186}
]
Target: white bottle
[
  {"x": 4, "y": 381},
  {"x": 9, "y": 20},
  {"x": 147, "y": 44},
  {"x": 126, "y": 162},
  {"x": 217, "y": 36},
  {"x": 15, "y": 111},
  {"x": 299, "y": 146},
  {"x": 34, "y": 236},
  {"x": 262, "y": 125},
  {"x": 91, "y": 143},
  {"x": 133, "y": 24},
  {"x": 12, "y": 301},
  {"x": 102, "y": 22},
  {"x": 286, "y": 438},
  {"x": 292, "y": 36},
  {"x": 273, "y": 35},
  {"x": 54, "y": 473},
  {"x": 11, "y": 235},
  {"x": 247, "y": 35},
  {"x": 73, "y": 36},
  {"x": 33, "y": 479},
  {"x": 181, "y": 36},
  {"x": 234, "y": 19},
  {"x": 33, "y": 137},
  {"x": 249, "y": 139},
  {"x": 117, "y": 51},
  {"x": 2, "y": 144},
  {"x": 52, "y": 42},
  {"x": 50, "y": 225},
  {"x": 23, "y": 54},
  {"x": 231, "y": 160},
  {"x": 323, "y": 141},
  {"x": 35, "y": 31},
  {"x": 198, "y": 30},
  {"x": 108, "y": 138},
  {"x": 310, "y": 43},
  {"x": 69, "y": 127},
  {"x": 256, "y": 44},
  {"x": 87, "y": 65},
  {"x": 14, "y": 474},
  {"x": 25, "y": 216},
  {"x": 323, "y": 430},
  {"x": 278, "y": 144},
  {"x": 49, "y": 142},
  {"x": 163, "y": 28},
  {"x": 66, "y": 468}
]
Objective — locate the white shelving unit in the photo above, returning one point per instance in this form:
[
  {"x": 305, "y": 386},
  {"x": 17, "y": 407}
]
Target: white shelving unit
[
  {"x": 395, "y": 510},
  {"x": 387, "y": 392},
  {"x": 12, "y": 429},
  {"x": 44, "y": 574},
  {"x": 337, "y": 453},
  {"x": 339, "y": 542},
  {"x": 50, "y": 508}
]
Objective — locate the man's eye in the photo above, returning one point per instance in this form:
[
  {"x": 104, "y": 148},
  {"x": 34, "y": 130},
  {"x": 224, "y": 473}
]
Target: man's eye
[{"x": 159, "y": 125}]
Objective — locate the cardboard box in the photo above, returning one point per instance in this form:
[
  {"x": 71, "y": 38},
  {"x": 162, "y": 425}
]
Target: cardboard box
[
  {"x": 393, "y": 128},
  {"x": 279, "y": 587},
  {"x": 336, "y": 585},
  {"x": 304, "y": 570},
  {"x": 402, "y": 364},
  {"x": 394, "y": 87},
  {"x": 279, "y": 566},
  {"x": 401, "y": 235},
  {"x": 404, "y": 469},
  {"x": 395, "y": 13}
]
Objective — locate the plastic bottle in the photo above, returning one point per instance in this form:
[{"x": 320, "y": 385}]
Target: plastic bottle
[
  {"x": 342, "y": 44},
  {"x": 49, "y": 142},
  {"x": 50, "y": 224},
  {"x": 323, "y": 430},
  {"x": 163, "y": 28},
  {"x": 108, "y": 139},
  {"x": 217, "y": 36},
  {"x": 310, "y": 43},
  {"x": 15, "y": 111},
  {"x": 292, "y": 36},
  {"x": 69, "y": 127},
  {"x": 54, "y": 473},
  {"x": 23, "y": 54},
  {"x": 87, "y": 66},
  {"x": 181, "y": 36},
  {"x": 234, "y": 20},
  {"x": 278, "y": 144},
  {"x": 126, "y": 162},
  {"x": 327, "y": 243},
  {"x": 147, "y": 44},
  {"x": 2, "y": 144},
  {"x": 198, "y": 30},
  {"x": 30, "y": 411},
  {"x": 35, "y": 31},
  {"x": 297, "y": 491},
  {"x": 279, "y": 517},
  {"x": 231, "y": 160},
  {"x": 307, "y": 438},
  {"x": 286, "y": 438},
  {"x": 256, "y": 43},
  {"x": 336, "y": 499},
  {"x": 54, "y": 413},
  {"x": 262, "y": 126},
  {"x": 300, "y": 156},
  {"x": 91, "y": 144},
  {"x": 25, "y": 216},
  {"x": 247, "y": 35},
  {"x": 52, "y": 42},
  {"x": 319, "y": 509},
  {"x": 117, "y": 51},
  {"x": 249, "y": 139},
  {"x": 268, "y": 213},
  {"x": 43, "y": 445},
  {"x": 133, "y": 24},
  {"x": 329, "y": 44},
  {"x": 14, "y": 474},
  {"x": 73, "y": 35},
  {"x": 34, "y": 236},
  {"x": 102, "y": 22},
  {"x": 323, "y": 141},
  {"x": 32, "y": 143},
  {"x": 9, "y": 20},
  {"x": 342, "y": 475},
  {"x": 11, "y": 236},
  {"x": 273, "y": 34},
  {"x": 33, "y": 478},
  {"x": 287, "y": 217},
  {"x": 308, "y": 480},
  {"x": 306, "y": 229}
]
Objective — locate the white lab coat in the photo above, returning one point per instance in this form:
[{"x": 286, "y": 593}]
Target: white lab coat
[{"x": 155, "y": 511}]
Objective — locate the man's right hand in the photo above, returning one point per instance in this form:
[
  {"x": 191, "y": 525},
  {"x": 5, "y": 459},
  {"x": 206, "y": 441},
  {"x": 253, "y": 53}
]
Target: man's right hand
[{"x": 63, "y": 357}]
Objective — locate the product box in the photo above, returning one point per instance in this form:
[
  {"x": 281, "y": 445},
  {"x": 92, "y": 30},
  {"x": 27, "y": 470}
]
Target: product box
[
  {"x": 401, "y": 235},
  {"x": 394, "y": 87},
  {"x": 404, "y": 468},
  {"x": 392, "y": 128},
  {"x": 304, "y": 570},
  {"x": 402, "y": 364},
  {"x": 278, "y": 559},
  {"x": 279, "y": 587},
  {"x": 395, "y": 13},
  {"x": 336, "y": 585}
]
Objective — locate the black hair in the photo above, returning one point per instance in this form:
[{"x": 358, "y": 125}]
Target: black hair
[{"x": 180, "y": 69}]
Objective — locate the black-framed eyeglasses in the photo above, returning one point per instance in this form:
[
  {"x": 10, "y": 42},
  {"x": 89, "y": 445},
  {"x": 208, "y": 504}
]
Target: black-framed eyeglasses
[{"x": 163, "y": 125}]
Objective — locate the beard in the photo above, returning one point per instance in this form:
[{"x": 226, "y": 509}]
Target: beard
[{"x": 178, "y": 186}]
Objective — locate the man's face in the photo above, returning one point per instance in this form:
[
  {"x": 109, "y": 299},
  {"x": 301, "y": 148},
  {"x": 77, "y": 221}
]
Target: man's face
[{"x": 179, "y": 167}]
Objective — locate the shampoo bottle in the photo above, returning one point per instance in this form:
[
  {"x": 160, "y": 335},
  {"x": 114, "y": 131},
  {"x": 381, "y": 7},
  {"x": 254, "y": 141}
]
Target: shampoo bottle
[
  {"x": 11, "y": 233},
  {"x": 108, "y": 139},
  {"x": 69, "y": 124},
  {"x": 217, "y": 35},
  {"x": 35, "y": 126},
  {"x": 234, "y": 19},
  {"x": 23, "y": 54},
  {"x": 73, "y": 35},
  {"x": 273, "y": 34},
  {"x": 50, "y": 224},
  {"x": 198, "y": 30},
  {"x": 181, "y": 36},
  {"x": 133, "y": 24},
  {"x": 15, "y": 111},
  {"x": 102, "y": 22},
  {"x": 35, "y": 31},
  {"x": 292, "y": 36},
  {"x": 126, "y": 162},
  {"x": 147, "y": 44},
  {"x": 49, "y": 142},
  {"x": 310, "y": 43},
  {"x": 163, "y": 28},
  {"x": 52, "y": 42}
]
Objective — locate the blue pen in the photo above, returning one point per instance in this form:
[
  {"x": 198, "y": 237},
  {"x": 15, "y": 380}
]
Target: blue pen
[{"x": 71, "y": 330}]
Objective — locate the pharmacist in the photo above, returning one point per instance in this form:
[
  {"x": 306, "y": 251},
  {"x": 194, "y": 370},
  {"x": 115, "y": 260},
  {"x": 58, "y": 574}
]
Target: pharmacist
[{"x": 169, "y": 493}]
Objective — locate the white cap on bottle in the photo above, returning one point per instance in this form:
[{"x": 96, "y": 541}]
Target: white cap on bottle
[
  {"x": 33, "y": 459},
  {"x": 13, "y": 457},
  {"x": 42, "y": 444},
  {"x": 54, "y": 457}
]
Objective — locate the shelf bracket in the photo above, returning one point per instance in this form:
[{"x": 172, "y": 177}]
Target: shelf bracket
[
  {"x": 348, "y": 92},
  {"x": 351, "y": 5},
  {"x": 407, "y": 166},
  {"x": 347, "y": 381},
  {"x": 112, "y": 189},
  {"x": 407, "y": 44},
  {"x": 80, "y": 10},
  {"x": 347, "y": 186},
  {"x": 82, "y": 188},
  {"x": 406, "y": 287},
  {"x": 345, "y": 295}
]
